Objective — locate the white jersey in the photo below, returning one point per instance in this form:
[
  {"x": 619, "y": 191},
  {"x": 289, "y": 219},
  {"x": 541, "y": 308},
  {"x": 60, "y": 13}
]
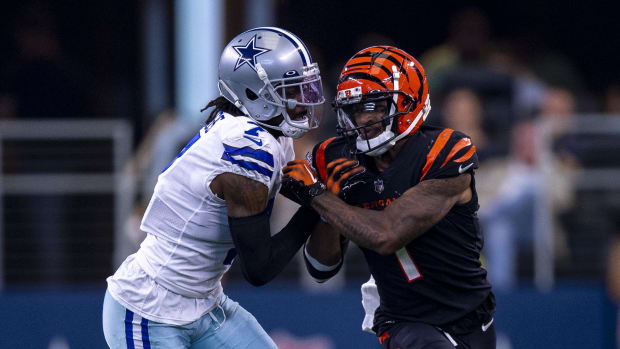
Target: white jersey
[{"x": 175, "y": 275}]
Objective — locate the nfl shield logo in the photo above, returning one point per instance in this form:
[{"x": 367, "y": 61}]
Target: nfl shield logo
[{"x": 379, "y": 186}]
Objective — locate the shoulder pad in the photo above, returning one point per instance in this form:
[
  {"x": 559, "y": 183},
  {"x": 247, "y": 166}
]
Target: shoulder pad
[{"x": 451, "y": 154}]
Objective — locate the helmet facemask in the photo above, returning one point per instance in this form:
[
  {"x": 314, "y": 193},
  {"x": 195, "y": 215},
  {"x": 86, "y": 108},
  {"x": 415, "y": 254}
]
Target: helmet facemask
[
  {"x": 291, "y": 92},
  {"x": 376, "y": 136}
]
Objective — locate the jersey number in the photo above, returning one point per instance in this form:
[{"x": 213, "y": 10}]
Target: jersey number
[{"x": 407, "y": 265}]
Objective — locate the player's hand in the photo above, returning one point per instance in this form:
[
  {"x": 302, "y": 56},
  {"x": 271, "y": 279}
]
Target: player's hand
[
  {"x": 342, "y": 175},
  {"x": 300, "y": 182}
]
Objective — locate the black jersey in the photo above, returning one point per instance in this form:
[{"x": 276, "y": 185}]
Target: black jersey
[{"x": 437, "y": 278}]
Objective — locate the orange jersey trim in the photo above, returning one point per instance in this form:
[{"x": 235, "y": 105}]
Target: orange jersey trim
[
  {"x": 467, "y": 155},
  {"x": 385, "y": 335},
  {"x": 440, "y": 142},
  {"x": 458, "y": 146},
  {"x": 320, "y": 159}
]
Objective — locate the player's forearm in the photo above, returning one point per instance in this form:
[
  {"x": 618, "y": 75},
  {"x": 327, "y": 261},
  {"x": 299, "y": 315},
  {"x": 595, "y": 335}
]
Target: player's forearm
[
  {"x": 388, "y": 230},
  {"x": 364, "y": 227},
  {"x": 324, "y": 245},
  {"x": 263, "y": 256}
]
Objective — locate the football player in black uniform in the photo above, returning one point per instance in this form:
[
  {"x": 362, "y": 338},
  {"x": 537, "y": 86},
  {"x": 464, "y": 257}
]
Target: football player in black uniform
[{"x": 404, "y": 192}]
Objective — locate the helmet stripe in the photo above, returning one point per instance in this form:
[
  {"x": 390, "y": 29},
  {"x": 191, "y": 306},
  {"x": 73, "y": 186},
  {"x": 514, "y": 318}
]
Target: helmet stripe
[
  {"x": 299, "y": 45},
  {"x": 365, "y": 76},
  {"x": 376, "y": 55},
  {"x": 384, "y": 68},
  {"x": 421, "y": 89},
  {"x": 417, "y": 71}
]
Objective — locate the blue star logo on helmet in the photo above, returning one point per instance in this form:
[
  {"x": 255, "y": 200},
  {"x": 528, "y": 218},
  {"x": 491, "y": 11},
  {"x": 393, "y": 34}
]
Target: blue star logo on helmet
[{"x": 248, "y": 53}]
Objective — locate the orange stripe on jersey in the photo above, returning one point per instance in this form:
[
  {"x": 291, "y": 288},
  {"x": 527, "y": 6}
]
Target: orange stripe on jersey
[
  {"x": 457, "y": 147},
  {"x": 385, "y": 335},
  {"x": 320, "y": 159},
  {"x": 440, "y": 142},
  {"x": 467, "y": 155}
]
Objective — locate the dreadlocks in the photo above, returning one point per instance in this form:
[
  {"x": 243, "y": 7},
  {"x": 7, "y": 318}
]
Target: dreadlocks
[{"x": 221, "y": 104}]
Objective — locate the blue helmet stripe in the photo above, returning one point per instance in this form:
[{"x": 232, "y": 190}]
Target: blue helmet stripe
[{"x": 301, "y": 47}]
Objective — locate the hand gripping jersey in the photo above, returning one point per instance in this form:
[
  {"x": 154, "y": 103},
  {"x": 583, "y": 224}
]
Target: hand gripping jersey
[
  {"x": 175, "y": 275},
  {"x": 437, "y": 278}
]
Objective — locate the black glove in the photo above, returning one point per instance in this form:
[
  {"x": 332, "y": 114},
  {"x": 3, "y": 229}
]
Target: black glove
[
  {"x": 342, "y": 174},
  {"x": 300, "y": 182}
]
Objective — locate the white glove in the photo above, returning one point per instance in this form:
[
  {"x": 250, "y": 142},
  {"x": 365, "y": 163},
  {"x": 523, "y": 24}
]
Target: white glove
[{"x": 370, "y": 302}]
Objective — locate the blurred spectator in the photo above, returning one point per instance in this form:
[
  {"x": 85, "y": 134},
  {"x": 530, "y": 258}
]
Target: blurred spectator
[
  {"x": 508, "y": 191},
  {"x": 7, "y": 106},
  {"x": 558, "y": 110},
  {"x": 463, "y": 61},
  {"x": 467, "y": 44},
  {"x": 512, "y": 57},
  {"x": 612, "y": 100},
  {"x": 462, "y": 110}
]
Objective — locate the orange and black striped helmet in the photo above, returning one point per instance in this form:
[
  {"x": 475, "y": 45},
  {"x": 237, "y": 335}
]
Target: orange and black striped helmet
[{"x": 382, "y": 73}]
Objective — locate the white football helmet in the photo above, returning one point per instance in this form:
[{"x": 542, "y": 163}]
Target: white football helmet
[{"x": 266, "y": 70}]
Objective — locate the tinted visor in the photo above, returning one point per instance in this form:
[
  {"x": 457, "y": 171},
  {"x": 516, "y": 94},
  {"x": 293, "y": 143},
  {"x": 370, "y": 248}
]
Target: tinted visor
[{"x": 305, "y": 90}]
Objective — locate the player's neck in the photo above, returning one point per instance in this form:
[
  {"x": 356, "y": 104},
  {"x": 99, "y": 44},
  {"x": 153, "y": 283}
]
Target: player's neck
[{"x": 384, "y": 160}]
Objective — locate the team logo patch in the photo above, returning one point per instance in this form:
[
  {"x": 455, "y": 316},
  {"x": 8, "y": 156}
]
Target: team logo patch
[
  {"x": 379, "y": 186},
  {"x": 351, "y": 95},
  {"x": 248, "y": 53}
]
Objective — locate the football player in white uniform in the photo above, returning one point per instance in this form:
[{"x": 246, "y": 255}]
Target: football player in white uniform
[{"x": 212, "y": 204}]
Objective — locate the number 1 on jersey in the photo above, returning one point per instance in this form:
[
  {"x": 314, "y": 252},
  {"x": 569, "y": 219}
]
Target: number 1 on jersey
[{"x": 407, "y": 265}]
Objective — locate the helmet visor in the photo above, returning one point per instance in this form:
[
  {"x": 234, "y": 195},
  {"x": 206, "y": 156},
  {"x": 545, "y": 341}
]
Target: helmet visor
[{"x": 304, "y": 90}]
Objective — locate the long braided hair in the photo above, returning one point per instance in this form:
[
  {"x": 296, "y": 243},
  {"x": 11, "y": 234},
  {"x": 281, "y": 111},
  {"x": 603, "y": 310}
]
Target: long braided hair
[{"x": 221, "y": 104}]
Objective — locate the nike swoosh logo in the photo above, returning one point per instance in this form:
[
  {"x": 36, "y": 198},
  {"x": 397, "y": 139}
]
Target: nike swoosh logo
[
  {"x": 485, "y": 327},
  {"x": 463, "y": 169},
  {"x": 258, "y": 142}
]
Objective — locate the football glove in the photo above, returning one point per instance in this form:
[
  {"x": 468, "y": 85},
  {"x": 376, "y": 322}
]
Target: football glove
[
  {"x": 342, "y": 174},
  {"x": 300, "y": 182}
]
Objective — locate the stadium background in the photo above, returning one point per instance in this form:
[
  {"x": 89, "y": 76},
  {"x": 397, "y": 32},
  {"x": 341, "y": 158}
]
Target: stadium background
[{"x": 97, "y": 97}]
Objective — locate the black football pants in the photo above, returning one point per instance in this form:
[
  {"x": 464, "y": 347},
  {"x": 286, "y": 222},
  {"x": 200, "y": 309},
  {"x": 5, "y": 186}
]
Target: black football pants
[{"x": 416, "y": 335}]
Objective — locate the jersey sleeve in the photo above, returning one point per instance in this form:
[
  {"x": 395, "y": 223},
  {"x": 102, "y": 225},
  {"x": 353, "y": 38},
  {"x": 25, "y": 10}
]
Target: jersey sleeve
[
  {"x": 451, "y": 155},
  {"x": 250, "y": 151},
  {"x": 319, "y": 158}
]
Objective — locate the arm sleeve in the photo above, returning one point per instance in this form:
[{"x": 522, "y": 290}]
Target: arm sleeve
[
  {"x": 321, "y": 272},
  {"x": 262, "y": 256}
]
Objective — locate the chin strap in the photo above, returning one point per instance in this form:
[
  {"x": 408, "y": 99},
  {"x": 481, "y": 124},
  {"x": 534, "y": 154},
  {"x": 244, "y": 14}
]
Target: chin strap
[{"x": 236, "y": 100}]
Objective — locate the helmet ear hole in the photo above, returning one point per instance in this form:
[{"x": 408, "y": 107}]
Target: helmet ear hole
[{"x": 250, "y": 94}]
